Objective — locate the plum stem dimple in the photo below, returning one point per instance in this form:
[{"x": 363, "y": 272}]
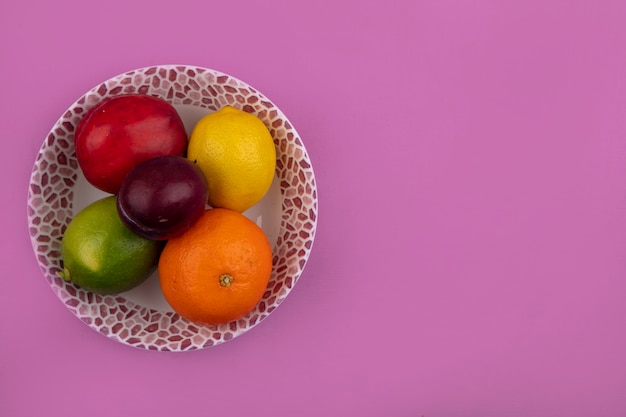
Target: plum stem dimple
[{"x": 226, "y": 280}]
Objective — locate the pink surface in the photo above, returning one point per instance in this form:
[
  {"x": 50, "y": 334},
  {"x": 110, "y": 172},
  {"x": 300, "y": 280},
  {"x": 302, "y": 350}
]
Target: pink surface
[{"x": 470, "y": 256}]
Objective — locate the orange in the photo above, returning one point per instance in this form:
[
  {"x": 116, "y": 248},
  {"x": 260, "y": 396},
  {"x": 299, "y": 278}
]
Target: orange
[{"x": 218, "y": 270}]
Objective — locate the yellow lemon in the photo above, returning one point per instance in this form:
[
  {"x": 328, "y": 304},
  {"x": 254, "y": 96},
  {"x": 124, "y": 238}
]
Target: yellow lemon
[{"x": 236, "y": 153}]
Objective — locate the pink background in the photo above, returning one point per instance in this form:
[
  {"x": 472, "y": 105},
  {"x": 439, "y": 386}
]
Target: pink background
[{"x": 470, "y": 257}]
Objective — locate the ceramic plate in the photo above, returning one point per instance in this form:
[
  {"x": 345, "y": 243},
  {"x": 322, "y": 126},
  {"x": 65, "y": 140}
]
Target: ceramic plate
[{"x": 141, "y": 317}]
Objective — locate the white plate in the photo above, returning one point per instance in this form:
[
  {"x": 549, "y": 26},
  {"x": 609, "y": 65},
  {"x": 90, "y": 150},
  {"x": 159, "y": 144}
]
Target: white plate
[{"x": 141, "y": 317}]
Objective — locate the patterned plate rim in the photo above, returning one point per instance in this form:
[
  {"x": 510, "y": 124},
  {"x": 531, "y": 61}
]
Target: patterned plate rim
[{"x": 50, "y": 196}]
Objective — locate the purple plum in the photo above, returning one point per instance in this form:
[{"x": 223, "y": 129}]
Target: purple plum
[{"x": 162, "y": 197}]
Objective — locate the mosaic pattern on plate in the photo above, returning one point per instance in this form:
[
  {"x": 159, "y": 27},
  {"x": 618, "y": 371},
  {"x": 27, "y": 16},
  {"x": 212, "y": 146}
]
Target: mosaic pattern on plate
[{"x": 51, "y": 193}]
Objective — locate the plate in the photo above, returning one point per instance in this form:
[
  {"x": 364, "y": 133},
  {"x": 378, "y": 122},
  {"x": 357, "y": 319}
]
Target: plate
[{"x": 141, "y": 317}]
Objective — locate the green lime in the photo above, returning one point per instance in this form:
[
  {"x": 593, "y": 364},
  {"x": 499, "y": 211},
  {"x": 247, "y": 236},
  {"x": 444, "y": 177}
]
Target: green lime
[{"x": 102, "y": 255}]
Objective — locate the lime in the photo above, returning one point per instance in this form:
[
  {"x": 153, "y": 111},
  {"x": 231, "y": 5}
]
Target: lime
[
  {"x": 236, "y": 153},
  {"x": 100, "y": 254}
]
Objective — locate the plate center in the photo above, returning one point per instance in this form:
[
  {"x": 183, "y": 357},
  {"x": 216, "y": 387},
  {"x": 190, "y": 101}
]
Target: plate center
[{"x": 266, "y": 214}]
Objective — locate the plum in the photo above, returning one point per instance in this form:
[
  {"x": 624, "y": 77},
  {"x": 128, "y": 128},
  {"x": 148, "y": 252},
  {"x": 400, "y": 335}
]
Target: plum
[{"x": 162, "y": 197}]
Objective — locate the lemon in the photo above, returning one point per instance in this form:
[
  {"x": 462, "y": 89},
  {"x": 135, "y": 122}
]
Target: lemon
[
  {"x": 102, "y": 255},
  {"x": 236, "y": 153}
]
